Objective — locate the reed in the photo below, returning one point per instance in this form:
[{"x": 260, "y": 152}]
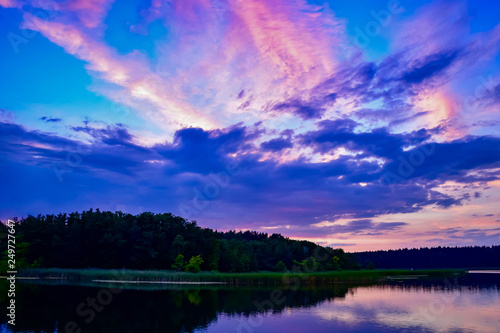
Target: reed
[{"x": 254, "y": 278}]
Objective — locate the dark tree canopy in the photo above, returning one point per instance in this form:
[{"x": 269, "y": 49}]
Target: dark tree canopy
[
  {"x": 437, "y": 257},
  {"x": 154, "y": 241}
]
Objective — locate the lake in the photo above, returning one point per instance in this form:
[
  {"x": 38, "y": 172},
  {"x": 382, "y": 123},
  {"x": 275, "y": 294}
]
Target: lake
[{"x": 455, "y": 304}]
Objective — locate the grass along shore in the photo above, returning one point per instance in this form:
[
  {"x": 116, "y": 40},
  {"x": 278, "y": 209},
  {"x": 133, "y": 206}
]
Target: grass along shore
[{"x": 254, "y": 278}]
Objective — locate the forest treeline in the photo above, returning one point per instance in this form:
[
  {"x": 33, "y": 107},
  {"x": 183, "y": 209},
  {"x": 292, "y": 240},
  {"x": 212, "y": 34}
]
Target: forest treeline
[
  {"x": 437, "y": 257},
  {"x": 102, "y": 239}
]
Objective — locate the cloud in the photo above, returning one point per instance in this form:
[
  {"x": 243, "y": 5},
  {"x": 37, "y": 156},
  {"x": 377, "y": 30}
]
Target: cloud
[
  {"x": 365, "y": 226},
  {"x": 451, "y": 161},
  {"x": 430, "y": 66},
  {"x": 337, "y": 245},
  {"x": 489, "y": 96},
  {"x": 51, "y": 120},
  {"x": 110, "y": 135},
  {"x": 276, "y": 144},
  {"x": 301, "y": 109},
  {"x": 409, "y": 118},
  {"x": 259, "y": 84},
  {"x": 196, "y": 150},
  {"x": 91, "y": 13},
  {"x": 112, "y": 157},
  {"x": 477, "y": 236},
  {"x": 297, "y": 192},
  {"x": 11, "y": 3},
  {"x": 282, "y": 32},
  {"x": 379, "y": 142}
]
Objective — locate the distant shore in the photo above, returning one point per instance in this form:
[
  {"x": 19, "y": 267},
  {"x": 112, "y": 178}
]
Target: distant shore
[
  {"x": 124, "y": 276},
  {"x": 483, "y": 271}
]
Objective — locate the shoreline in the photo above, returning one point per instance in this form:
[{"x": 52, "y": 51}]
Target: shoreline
[{"x": 127, "y": 276}]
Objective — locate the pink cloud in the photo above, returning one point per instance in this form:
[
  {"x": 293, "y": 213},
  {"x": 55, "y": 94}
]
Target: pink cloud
[
  {"x": 269, "y": 50},
  {"x": 11, "y": 3},
  {"x": 291, "y": 35},
  {"x": 90, "y": 12}
]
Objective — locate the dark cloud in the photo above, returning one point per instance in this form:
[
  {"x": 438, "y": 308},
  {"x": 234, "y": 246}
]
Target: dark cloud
[
  {"x": 304, "y": 110},
  {"x": 364, "y": 82},
  {"x": 483, "y": 215},
  {"x": 354, "y": 81},
  {"x": 409, "y": 118},
  {"x": 99, "y": 154},
  {"x": 264, "y": 192},
  {"x": 339, "y": 125},
  {"x": 241, "y": 94},
  {"x": 378, "y": 142},
  {"x": 449, "y": 161},
  {"x": 112, "y": 135},
  {"x": 51, "y": 120},
  {"x": 430, "y": 66},
  {"x": 200, "y": 151},
  {"x": 22, "y": 145},
  {"x": 276, "y": 144}
]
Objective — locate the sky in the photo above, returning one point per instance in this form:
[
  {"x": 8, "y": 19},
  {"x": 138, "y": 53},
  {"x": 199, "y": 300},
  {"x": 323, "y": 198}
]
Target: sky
[{"x": 362, "y": 124}]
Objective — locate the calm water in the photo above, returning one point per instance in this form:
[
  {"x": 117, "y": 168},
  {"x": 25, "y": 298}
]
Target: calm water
[{"x": 467, "y": 304}]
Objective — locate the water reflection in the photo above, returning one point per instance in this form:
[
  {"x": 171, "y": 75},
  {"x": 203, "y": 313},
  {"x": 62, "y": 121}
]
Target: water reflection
[
  {"x": 468, "y": 304},
  {"x": 179, "y": 309}
]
